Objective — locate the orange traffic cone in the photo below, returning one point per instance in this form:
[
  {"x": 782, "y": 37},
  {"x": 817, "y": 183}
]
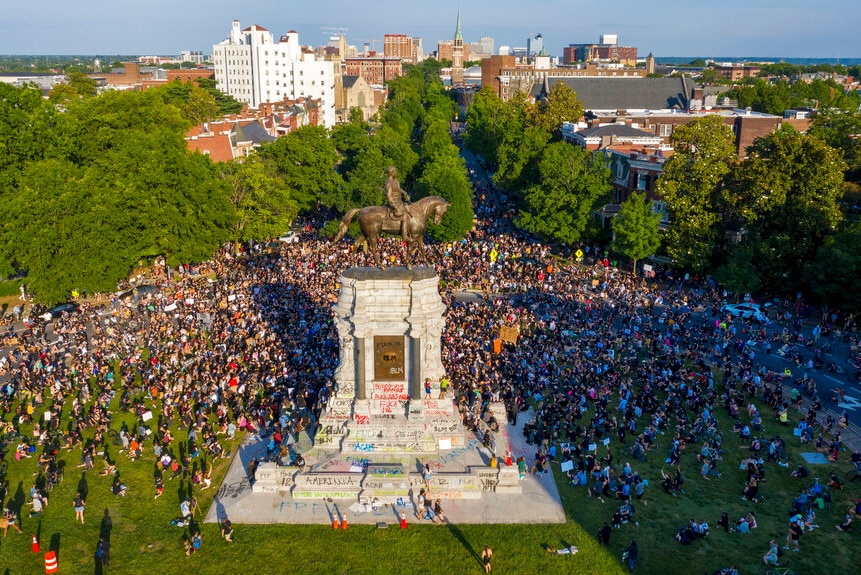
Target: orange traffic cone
[
  {"x": 35, "y": 544},
  {"x": 344, "y": 523},
  {"x": 403, "y": 519},
  {"x": 335, "y": 524}
]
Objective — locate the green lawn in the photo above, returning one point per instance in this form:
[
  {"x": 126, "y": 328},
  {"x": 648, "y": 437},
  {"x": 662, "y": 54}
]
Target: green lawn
[{"x": 144, "y": 541}]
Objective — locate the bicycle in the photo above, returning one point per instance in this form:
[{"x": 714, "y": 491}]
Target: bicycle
[{"x": 781, "y": 571}]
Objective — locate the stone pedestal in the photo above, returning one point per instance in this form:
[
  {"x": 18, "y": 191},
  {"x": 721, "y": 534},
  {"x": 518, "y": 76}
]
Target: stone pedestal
[
  {"x": 390, "y": 326},
  {"x": 378, "y": 430}
]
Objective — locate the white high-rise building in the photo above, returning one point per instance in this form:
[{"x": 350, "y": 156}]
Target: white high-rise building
[{"x": 254, "y": 69}]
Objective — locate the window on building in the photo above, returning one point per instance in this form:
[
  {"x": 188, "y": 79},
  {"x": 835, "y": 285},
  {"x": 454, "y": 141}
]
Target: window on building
[
  {"x": 642, "y": 182},
  {"x": 666, "y": 130}
]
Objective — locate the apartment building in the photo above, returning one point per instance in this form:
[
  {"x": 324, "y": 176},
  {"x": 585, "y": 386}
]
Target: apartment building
[
  {"x": 374, "y": 69},
  {"x": 255, "y": 69},
  {"x": 406, "y": 48}
]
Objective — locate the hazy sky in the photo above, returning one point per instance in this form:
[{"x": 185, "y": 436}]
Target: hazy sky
[{"x": 784, "y": 28}]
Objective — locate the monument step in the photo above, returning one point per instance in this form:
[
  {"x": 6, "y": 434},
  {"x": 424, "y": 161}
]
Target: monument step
[
  {"x": 509, "y": 488},
  {"x": 391, "y": 446}
]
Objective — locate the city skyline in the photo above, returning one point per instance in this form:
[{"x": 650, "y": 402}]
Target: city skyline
[{"x": 763, "y": 28}]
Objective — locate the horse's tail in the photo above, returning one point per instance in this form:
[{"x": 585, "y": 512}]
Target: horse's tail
[{"x": 345, "y": 222}]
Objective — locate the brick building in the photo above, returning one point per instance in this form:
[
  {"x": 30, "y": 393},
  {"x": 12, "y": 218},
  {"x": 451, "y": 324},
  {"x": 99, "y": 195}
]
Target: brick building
[
  {"x": 402, "y": 46},
  {"x": 375, "y": 70},
  {"x": 444, "y": 51},
  {"x": 738, "y": 72},
  {"x": 189, "y": 76},
  {"x": 605, "y": 51}
]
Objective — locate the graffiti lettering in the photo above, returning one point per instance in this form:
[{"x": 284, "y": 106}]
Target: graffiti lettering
[{"x": 233, "y": 490}]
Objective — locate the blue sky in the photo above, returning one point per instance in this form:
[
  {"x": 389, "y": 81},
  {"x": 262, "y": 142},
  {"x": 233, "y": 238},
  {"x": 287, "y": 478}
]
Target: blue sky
[{"x": 779, "y": 28}]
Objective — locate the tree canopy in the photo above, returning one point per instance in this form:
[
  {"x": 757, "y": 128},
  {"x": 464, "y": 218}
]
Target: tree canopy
[
  {"x": 105, "y": 183},
  {"x": 573, "y": 183},
  {"x": 636, "y": 229},
  {"x": 691, "y": 184}
]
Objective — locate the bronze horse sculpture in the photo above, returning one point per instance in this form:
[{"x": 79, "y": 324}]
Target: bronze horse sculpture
[{"x": 376, "y": 220}]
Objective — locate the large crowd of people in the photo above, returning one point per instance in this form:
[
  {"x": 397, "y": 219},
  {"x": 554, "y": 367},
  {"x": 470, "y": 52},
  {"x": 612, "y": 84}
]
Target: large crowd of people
[{"x": 246, "y": 341}]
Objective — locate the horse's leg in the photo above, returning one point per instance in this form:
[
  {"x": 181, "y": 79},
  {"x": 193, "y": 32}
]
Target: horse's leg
[
  {"x": 407, "y": 248},
  {"x": 423, "y": 250},
  {"x": 375, "y": 248}
]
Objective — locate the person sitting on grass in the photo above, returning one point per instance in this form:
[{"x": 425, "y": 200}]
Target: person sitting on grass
[
  {"x": 747, "y": 523},
  {"x": 750, "y": 491},
  {"x": 9, "y": 519},
  {"x": 846, "y": 525},
  {"x": 685, "y": 536},
  {"x": 800, "y": 472},
  {"x": 118, "y": 488},
  {"x": 770, "y": 558}
]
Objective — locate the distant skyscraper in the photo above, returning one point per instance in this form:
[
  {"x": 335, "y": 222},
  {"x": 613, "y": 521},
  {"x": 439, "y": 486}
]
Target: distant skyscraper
[
  {"x": 534, "y": 46},
  {"x": 457, "y": 55},
  {"x": 486, "y": 46}
]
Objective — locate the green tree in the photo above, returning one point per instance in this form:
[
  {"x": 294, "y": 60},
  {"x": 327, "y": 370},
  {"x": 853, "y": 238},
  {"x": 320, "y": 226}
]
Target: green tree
[
  {"x": 839, "y": 126},
  {"x": 262, "y": 202},
  {"x": 305, "y": 161},
  {"x": 691, "y": 184},
  {"x": 636, "y": 229},
  {"x": 802, "y": 179},
  {"x": 561, "y": 105},
  {"x": 76, "y": 87},
  {"x": 349, "y": 139},
  {"x": 835, "y": 273},
  {"x": 31, "y": 129},
  {"x": 124, "y": 188},
  {"x": 489, "y": 122},
  {"x": 366, "y": 182},
  {"x": 739, "y": 274},
  {"x": 573, "y": 183},
  {"x": 200, "y": 106},
  {"x": 445, "y": 175},
  {"x": 226, "y": 104}
]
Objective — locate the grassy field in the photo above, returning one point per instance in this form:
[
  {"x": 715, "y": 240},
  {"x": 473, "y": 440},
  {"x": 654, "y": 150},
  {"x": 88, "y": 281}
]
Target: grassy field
[{"x": 144, "y": 541}]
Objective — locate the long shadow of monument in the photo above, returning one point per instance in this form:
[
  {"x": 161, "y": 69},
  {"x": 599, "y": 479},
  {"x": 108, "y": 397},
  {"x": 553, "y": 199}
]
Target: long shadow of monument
[{"x": 458, "y": 534}]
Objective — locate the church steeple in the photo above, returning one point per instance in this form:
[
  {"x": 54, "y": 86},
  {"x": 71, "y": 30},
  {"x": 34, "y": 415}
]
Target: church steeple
[{"x": 457, "y": 55}]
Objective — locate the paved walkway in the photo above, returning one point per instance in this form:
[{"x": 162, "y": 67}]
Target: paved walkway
[{"x": 539, "y": 502}]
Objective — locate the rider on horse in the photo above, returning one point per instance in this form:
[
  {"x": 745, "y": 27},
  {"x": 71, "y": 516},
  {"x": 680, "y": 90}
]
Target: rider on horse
[{"x": 396, "y": 197}]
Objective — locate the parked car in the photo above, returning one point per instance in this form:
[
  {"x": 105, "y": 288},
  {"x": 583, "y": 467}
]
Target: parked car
[
  {"x": 290, "y": 238},
  {"x": 69, "y": 307},
  {"x": 746, "y": 311}
]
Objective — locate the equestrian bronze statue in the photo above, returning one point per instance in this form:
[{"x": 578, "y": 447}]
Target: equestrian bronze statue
[{"x": 410, "y": 221}]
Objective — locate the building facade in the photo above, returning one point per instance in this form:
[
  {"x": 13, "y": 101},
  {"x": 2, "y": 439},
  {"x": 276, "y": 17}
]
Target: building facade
[
  {"x": 255, "y": 69},
  {"x": 606, "y": 51},
  {"x": 403, "y": 47},
  {"x": 375, "y": 70}
]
